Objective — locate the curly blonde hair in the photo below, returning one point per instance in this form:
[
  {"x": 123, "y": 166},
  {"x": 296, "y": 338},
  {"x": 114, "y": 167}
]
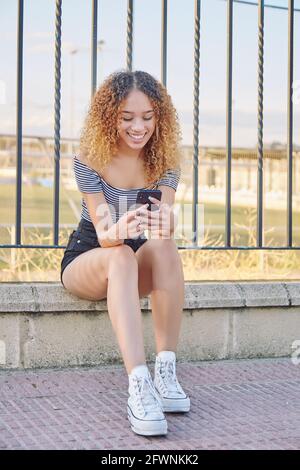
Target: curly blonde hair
[{"x": 99, "y": 137}]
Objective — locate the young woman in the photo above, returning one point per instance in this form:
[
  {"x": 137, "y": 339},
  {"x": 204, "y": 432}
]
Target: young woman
[{"x": 130, "y": 141}]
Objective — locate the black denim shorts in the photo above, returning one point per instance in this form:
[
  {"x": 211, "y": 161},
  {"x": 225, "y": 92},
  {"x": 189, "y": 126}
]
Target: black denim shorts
[{"x": 84, "y": 238}]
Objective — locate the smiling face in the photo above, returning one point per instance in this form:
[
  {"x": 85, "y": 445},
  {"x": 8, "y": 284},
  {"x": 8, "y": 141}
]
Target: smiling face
[{"x": 137, "y": 121}]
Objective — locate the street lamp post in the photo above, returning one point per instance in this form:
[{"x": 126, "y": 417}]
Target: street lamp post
[
  {"x": 73, "y": 51},
  {"x": 72, "y": 54}
]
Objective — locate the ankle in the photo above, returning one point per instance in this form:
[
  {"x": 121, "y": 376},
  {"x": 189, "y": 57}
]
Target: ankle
[
  {"x": 166, "y": 355},
  {"x": 140, "y": 371}
]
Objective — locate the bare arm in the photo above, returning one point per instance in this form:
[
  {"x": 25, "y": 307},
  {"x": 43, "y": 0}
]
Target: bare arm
[
  {"x": 168, "y": 197},
  {"x": 102, "y": 220}
]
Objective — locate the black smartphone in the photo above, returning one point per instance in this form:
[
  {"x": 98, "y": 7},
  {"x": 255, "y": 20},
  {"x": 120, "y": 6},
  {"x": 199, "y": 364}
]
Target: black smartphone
[{"x": 143, "y": 195}]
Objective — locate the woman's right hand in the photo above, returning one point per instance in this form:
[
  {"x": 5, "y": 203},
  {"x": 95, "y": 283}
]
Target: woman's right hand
[{"x": 128, "y": 225}]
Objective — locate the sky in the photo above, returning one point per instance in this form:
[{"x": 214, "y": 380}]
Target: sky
[{"x": 38, "y": 93}]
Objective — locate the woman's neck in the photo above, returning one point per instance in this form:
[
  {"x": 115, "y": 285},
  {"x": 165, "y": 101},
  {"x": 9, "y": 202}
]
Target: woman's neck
[{"x": 129, "y": 154}]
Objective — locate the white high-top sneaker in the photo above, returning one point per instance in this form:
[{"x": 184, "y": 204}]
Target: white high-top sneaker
[
  {"x": 173, "y": 398},
  {"x": 144, "y": 407}
]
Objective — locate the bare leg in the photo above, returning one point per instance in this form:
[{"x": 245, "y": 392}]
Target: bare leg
[
  {"x": 167, "y": 297},
  {"x": 124, "y": 306}
]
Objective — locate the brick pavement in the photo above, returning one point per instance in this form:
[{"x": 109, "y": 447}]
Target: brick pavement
[{"x": 235, "y": 404}]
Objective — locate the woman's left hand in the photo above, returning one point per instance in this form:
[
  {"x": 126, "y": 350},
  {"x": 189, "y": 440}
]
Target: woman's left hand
[{"x": 159, "y": 222}]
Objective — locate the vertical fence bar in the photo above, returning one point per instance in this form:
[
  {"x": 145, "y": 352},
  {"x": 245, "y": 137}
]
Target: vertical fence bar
[
  {"x": 228, "y": 122},
  {"x": 19, "y": 117},
  {"x": 129, "y": 35},
  {"x": 94, "y": 47},
  {"x": 197, "y": 14},
  {"x": 260, "y": 123},
  {"x": 164, "y": 39},
  {"x": 290, "y": 124},
  {"x": 57, "y": 118}
]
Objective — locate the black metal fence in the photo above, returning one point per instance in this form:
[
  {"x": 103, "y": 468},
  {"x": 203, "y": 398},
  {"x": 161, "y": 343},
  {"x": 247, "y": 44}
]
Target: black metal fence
[{"x": 197, "y": 40}]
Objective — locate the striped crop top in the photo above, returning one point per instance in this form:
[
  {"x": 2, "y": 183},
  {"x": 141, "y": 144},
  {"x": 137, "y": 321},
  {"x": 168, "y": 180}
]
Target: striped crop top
[{"x": 119, "y": 200}]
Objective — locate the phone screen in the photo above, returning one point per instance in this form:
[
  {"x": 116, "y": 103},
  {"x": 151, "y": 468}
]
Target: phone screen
[{"x": 143, "y": 197}]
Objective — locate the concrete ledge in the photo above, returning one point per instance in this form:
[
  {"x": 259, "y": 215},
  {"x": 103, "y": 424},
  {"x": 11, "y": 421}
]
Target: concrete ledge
[{"x": 42, "y": 325}]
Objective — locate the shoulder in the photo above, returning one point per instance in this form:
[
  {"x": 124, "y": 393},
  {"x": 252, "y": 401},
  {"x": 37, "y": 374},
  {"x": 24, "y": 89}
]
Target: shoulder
[
  {"x": 82, "y": 164},
  {"x": 171, "y": 173},
  {"x": 79, "y": 160},
  {"x": 88, "y": 180},
  {"x": 170, "y": 178}
]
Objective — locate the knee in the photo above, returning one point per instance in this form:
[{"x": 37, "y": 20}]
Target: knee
[
  {"x": 122, "y": 260},
  {"x": 166, "y": 251}
]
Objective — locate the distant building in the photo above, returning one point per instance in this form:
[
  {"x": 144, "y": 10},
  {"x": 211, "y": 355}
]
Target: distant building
[
  {"x": 212, "y": 167},
  {"x": 38, "y": 158}
]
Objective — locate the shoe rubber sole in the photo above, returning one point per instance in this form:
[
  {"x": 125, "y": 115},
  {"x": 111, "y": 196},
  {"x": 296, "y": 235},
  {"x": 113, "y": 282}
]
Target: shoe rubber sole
[
  {"x": 159, "y": 428},
  {"x": 176, "y": 406}
]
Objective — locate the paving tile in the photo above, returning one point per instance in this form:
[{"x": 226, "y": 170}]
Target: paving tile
[{"x": 235, "y": 404}]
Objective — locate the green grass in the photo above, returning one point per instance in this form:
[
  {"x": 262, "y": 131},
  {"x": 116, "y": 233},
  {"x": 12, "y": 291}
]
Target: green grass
[
  {"x": 37, "y": 207},
  {"x": 44, "y": 265},
  {"x": 37, "y": 204}
]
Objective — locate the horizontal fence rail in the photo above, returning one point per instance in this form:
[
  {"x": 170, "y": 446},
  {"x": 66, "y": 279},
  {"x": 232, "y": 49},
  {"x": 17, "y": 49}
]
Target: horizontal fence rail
[{"x": 95, "y": 8}]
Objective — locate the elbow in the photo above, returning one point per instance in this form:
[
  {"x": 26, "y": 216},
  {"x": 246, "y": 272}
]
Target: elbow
[
  {"x": 103, "y": 243},
  {"x": 107, "y": 243}
]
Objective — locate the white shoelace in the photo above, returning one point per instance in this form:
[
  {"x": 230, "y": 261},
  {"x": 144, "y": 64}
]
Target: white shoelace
[
  {"x": 167, "y": 371},
  {"x": 145, "y": 394}
]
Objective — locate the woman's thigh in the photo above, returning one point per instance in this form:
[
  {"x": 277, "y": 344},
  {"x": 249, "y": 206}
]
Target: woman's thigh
[
  {"x": 85, "y": 266},
  {"x": 86, "y": 275}
]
